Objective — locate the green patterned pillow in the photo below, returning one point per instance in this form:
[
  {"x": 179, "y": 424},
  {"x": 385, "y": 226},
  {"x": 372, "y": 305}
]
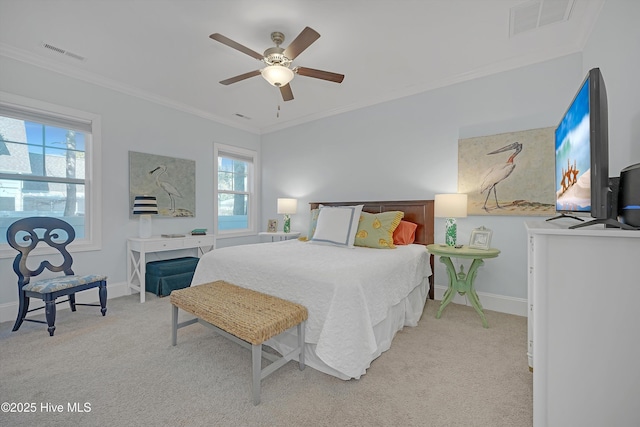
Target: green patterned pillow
[
  {"x": 376, "y": 230},
  {"x": 313, "y": 223}
]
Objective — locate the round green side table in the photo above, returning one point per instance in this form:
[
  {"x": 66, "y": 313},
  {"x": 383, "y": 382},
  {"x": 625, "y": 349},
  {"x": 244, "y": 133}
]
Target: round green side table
[{"x": 462, "y": 282}]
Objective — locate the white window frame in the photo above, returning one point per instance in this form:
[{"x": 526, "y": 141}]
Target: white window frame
[
  {"x": 252, "y": 182},
  {"x": 92, "y": 240}
]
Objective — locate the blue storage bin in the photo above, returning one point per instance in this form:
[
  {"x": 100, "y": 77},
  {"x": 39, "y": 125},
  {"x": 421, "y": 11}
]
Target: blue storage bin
[{"x": 166, "y": 275}]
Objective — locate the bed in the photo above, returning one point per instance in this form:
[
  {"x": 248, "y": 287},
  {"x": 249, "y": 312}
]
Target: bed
[{"x": 357, "y": 298}]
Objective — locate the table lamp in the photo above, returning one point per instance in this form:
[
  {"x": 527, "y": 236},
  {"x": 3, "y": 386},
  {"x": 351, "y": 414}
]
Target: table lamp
[
  {"x": 145, "y": 206},
  {"x": 450, "y": 206},
  {"x": 287, "y": 207}
]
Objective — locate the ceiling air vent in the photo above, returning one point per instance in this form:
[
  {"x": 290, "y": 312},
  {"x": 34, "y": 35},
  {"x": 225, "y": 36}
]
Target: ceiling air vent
[
  {"x": 537, "y": 13},
  {"x": 64, "y": 52}
]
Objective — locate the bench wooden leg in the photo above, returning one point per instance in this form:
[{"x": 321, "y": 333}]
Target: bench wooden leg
[
  {"x": 301, "y": 327},
  {"x": 256, "y": 371},
  {"x": 174, "y": 324}
]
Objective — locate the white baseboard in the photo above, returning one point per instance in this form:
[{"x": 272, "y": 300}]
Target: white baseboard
[
  {"x": 9, "y": 311},
  {"x": 501, "y": 303}
]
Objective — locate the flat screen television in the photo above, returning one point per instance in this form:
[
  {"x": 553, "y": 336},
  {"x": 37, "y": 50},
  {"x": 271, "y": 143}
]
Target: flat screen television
[{"x": 582, "y": 156}]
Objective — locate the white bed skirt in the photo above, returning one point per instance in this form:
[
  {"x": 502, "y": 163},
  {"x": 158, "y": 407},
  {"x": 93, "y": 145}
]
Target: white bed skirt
[{"x": 406, "y": 313}]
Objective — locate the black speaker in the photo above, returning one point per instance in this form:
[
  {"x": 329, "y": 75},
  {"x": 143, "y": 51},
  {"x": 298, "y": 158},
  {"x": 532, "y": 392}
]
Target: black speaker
[{"x": 629, "y": 195}]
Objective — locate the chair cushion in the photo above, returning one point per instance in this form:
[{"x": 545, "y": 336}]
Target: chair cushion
[{"x": 59, "y": 283}]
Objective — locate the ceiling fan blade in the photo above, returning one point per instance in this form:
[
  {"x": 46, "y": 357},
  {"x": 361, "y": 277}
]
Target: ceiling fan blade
[
  {"x": 303, "y": 41},
  {"x": 319, "y": 74},
  {"x": 235, "y": 45},
  {"x": 240, "y": 77},
  {"x": 286, "y": 92}
]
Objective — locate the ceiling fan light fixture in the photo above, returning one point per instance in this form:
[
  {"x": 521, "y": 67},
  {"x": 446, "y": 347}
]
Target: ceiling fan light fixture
[{"x": 277, "y": 75}]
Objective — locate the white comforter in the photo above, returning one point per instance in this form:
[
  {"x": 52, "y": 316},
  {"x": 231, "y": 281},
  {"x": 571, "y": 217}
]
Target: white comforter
[{"x": 346, "y": 291}]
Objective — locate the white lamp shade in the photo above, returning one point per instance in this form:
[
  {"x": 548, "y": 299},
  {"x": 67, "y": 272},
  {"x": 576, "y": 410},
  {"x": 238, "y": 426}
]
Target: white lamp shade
[
  {"x": 277, "y": 75},
  {"x": 287, "y": 206},
  {"x": 450, "y": 206}
]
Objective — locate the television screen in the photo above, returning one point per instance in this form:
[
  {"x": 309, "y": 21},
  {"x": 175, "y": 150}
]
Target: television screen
[
  {"x": 582, "y": 157},
  {"x": 573, "y": 156}
]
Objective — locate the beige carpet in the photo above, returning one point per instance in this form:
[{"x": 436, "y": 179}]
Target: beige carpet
[{"x": 121, "y": 370}]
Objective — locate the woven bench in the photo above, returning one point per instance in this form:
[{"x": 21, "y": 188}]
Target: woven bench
[{"x": 246, "y": 317}]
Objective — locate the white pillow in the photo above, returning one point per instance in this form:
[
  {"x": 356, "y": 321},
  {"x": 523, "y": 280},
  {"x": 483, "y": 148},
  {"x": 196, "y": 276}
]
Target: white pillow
[{"x": 337, "y": 225}]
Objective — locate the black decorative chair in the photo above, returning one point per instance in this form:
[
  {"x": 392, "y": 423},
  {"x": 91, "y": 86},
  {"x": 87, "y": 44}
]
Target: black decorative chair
[{"x": 24, "y": 235}]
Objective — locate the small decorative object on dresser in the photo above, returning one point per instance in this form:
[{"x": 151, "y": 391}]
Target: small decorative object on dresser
[
  {"x": 272, "y": 226},
  {"x": 480, "y": 238}
]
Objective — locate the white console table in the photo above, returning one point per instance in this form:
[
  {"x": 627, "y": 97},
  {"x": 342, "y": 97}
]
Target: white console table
[
  {"x": 138, "y": 248},
  {"x": 584, "y": 296}
]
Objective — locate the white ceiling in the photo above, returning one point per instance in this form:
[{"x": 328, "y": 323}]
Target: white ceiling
[{"x": 161, "y": 50}]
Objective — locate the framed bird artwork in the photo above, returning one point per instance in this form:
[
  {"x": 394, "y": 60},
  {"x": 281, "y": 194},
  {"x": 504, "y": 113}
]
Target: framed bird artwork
[
  {"x": 509, "y": 173},
  {"x": 171, "y": 180}
]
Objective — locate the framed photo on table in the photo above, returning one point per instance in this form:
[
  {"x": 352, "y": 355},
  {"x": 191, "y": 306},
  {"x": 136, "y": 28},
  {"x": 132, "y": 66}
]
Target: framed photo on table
[
  {"x": 272, "y": 225},
  {"x": 480, "y": 238}
]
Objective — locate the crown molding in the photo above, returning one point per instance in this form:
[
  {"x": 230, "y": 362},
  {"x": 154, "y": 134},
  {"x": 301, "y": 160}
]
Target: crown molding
[
  {"x": 69, "y": 71},
  {"x": 494, "y": 68}
]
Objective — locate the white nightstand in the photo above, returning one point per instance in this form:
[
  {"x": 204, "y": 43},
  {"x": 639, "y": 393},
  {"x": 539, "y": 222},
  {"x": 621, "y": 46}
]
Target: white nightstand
[{"x": 281, "y": 235}]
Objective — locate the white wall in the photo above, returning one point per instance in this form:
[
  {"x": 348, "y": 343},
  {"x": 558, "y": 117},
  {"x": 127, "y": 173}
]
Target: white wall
[
  {"x": 128, "y": 123},
  {"x": 407, "y": 148},
  {"x": 614, "y": 46}
]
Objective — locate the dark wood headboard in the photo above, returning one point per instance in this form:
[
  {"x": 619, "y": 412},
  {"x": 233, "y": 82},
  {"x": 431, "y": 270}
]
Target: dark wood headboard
[{"x": 417, "y": 211}]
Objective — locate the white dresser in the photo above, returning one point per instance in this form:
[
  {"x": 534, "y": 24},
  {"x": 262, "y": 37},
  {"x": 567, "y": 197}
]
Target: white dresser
[
  {"x": 584, "y": 325},
  {"x": 138, "y": 248}
]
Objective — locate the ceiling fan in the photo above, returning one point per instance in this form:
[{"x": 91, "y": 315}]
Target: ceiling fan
[{"x": 278, "y": 70}]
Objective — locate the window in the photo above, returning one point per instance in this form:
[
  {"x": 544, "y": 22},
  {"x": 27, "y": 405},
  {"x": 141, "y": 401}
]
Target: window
[
  {"x": 48, "y": 167},
  {"x": 236, "y": 175}
]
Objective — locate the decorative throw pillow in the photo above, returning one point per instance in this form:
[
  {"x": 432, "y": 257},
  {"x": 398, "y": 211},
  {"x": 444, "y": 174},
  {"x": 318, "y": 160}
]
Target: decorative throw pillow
[
  {"x": 405, "y": 233},
  {"x": 313, "y": 223},
  {"x": 376, "y": 230},
  {"x": 337, "y": 225}
]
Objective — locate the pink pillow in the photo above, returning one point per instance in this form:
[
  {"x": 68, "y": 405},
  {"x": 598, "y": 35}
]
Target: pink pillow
[{"x": 405, "y": 233}]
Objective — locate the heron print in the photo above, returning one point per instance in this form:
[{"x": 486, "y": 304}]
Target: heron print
[
  {"x": 508, "y": 174},
  {"x": 171, "y": 180},
  {"x": 499, "y": 172},
  {"x": 166, "y": 186}
]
